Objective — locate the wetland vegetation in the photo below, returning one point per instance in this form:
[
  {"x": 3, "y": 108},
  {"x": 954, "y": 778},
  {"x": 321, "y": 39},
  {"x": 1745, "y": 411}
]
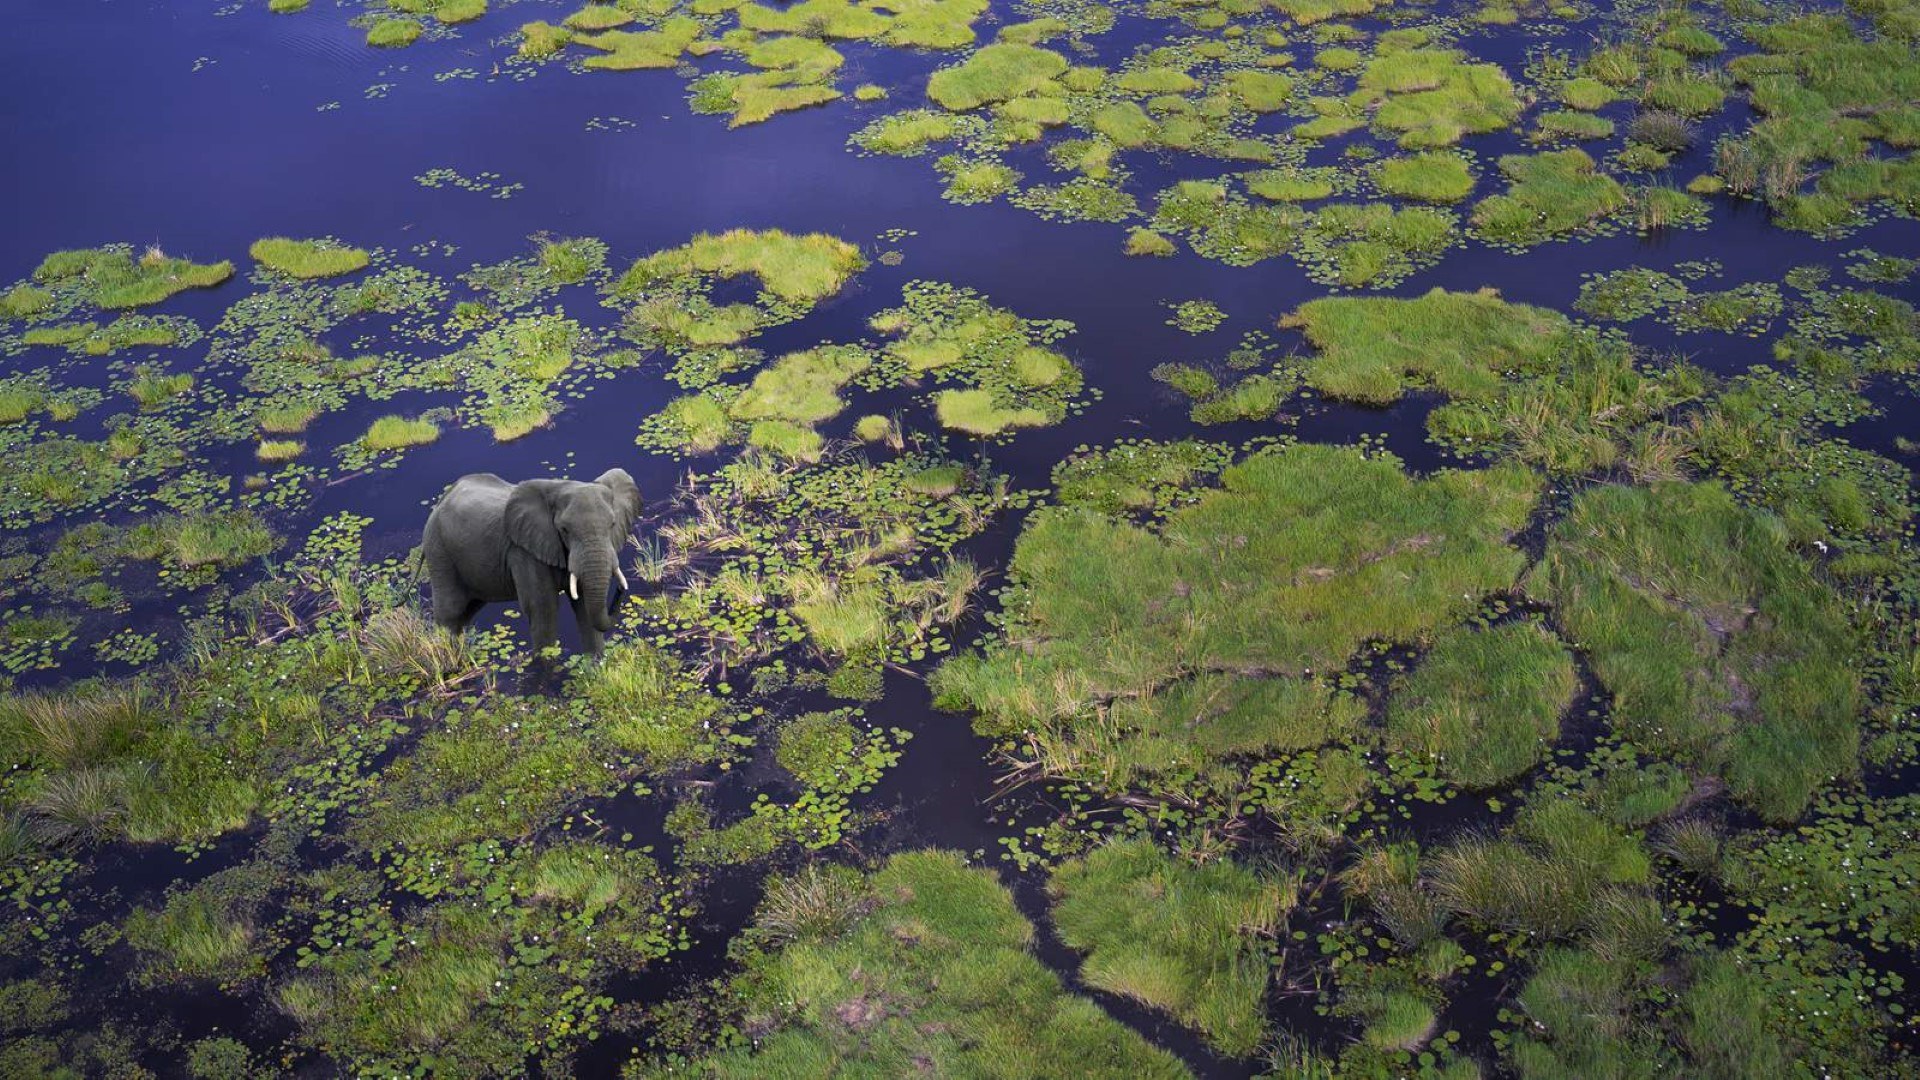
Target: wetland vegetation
[{"x": 1398, "y": 561}]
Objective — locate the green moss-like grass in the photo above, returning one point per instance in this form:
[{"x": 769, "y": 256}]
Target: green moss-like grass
[
  {"x": 1552, "y": 194},
  {"x": 1143, "y": 650},
  {"x": 1149, "y": 243},
  {"x": 23, "y": 301},
  {"x": 1484, "y": 705},
  {"x": 1458, "y": 342},
  {"x": 1433, "y": 177},
  {"x": 1260, "y": 91},
  {"x": 597, "y": 17},
  {"x": 287, "y": 419},
  {"x": 796, "y": 442},
  {"x": 802, "y": 387},
  {"x": 1185, "y": 939},
  {"x": 975, "y": 412},
  {"x": 998, "y": 72},
  {"x": 392, "y": 33},
  {"x": 112, "y": 278},
  {"x": 1433, "y": 97},
  {"x": 154, "y": 390},
  {"x": 307, "y": 258},
  {"x": 925, "y": 966},
  {"x": 807, "y": 268},
  {"x": 1715, "y": 639},
  {"x": 639, "y": 50},
  {"x": 398, "y": 433}
]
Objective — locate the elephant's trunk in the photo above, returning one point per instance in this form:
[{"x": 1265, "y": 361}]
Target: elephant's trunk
[{"x": 589, "y": 571}]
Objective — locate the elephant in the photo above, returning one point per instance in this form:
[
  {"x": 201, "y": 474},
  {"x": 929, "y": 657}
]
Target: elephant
[{"x": 489, "y": 540}]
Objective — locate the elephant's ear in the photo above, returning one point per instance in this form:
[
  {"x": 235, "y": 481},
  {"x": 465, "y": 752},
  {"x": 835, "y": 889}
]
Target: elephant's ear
[
  {"x": 530, "y": 523},
  {"x": 626, "y": 494}
]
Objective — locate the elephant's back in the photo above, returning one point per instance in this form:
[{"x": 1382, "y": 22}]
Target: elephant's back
[{"x": 474, "y": 500}]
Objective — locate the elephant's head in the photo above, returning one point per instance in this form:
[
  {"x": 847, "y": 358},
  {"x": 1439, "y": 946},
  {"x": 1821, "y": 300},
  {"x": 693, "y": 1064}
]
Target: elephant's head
[{"x": 577, "y": 527}]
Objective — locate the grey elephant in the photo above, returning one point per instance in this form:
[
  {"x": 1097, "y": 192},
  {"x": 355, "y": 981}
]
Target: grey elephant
[{"x": 488, "y": 540}]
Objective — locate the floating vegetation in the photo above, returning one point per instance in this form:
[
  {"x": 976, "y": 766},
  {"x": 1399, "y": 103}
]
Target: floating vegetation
[
  {"x": 307, "y": 258},
  {"x": 1741, "y": 662},
  {"x": 933, "y": 925},
  {"x": 112, "y": 278},
  {"x": 1191, "y": 940},
  {"x": 1105, "y": 684}
]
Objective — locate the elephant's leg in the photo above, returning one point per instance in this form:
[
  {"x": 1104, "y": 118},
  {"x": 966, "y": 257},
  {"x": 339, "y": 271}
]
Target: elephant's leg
[
  {"x": 591, "y": 639},
  {"x": 453, "y": 608},
  {"x": 542, "y": 605},
  {"x": 472, "y": 609}
]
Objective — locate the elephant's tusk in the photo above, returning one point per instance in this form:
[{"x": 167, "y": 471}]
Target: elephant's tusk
[
  {"x": 623, "y": 579},
  {"x": 573, "y": 586}
]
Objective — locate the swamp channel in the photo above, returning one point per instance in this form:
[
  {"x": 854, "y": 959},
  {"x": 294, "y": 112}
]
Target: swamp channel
[{"x": 1297, "y": 538}]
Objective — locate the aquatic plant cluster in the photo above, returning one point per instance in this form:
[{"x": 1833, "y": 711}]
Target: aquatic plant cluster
[{"x": 1572, "y": 735}]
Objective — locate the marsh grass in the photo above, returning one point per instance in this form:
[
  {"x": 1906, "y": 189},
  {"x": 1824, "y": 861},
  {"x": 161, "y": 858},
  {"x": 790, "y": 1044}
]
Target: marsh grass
[
  {"x": 1552, "y": 194},
  {"x": 194, "y": 936},
  {"x": 398, "y": 433},
  {"x": 802, "y": 387},
  {"x": 1484, "y": 705},
  {"x": 24, "y": 301},
  {"x": 389, "y": 33},
  {"x": 943, "y": 950},
  {"x": 975, "y": 412},
  {"x": 998, "y": 72},
  {"x": 288, "y": 419},
  {"x": 275, "y": 450},
  {"x": 1113, "y": 682},
  {"x": 1740, "y": 660},
  {"x": 308, "y": 259},
  {"x": 222, "y": 538},
  {"x": 1433, "y": 177},
  {"x": 804, "y": 268},
  {"x": 155, "y": 390},
  {"x": 541, "y": 40},
  {"x": 112, "y": 278},
  {"x": 1662, "y": 130},
  {"x": 1456, "y": 342},
  {"x": 19, "y": 402},
  {"x": 1431, "y": 98},
  {"x": 819, "y": 903},
  {"x": 1189, "y": 940}
]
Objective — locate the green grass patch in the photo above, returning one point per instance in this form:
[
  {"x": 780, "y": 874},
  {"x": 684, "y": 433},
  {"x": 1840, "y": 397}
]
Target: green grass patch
[
  {"x": 307, "y": 258},
  {"x": 398, "y": 433},
  {"x": 1260, "y": 91},
  {"x": 998, "y": 72},
  {"x": 1433, "y": 177},
  {"x": 1552, "y": 194},
  {"x": 802, "y": 387},
  {"x": 975, "y": 412},
  {"x": 1457, "y": 342},
  {"x": 1433, "y": 97},
  {"x": 154, "y": 390},
  {"x": 1192, "y": 941},
  {"x": 1716, "y": 641},
  {"x": 1484, "y": 705},
  {"x": 805, "y": 268},
  {"x": 392, "y": 33},
  {"x": 639, "y": 50},
  {"x": 24, "y": 301},
  {"x": 1142, "y": 650},
  {"x": 112, "y": 278},
  {"x": 923, "y": 966}
]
